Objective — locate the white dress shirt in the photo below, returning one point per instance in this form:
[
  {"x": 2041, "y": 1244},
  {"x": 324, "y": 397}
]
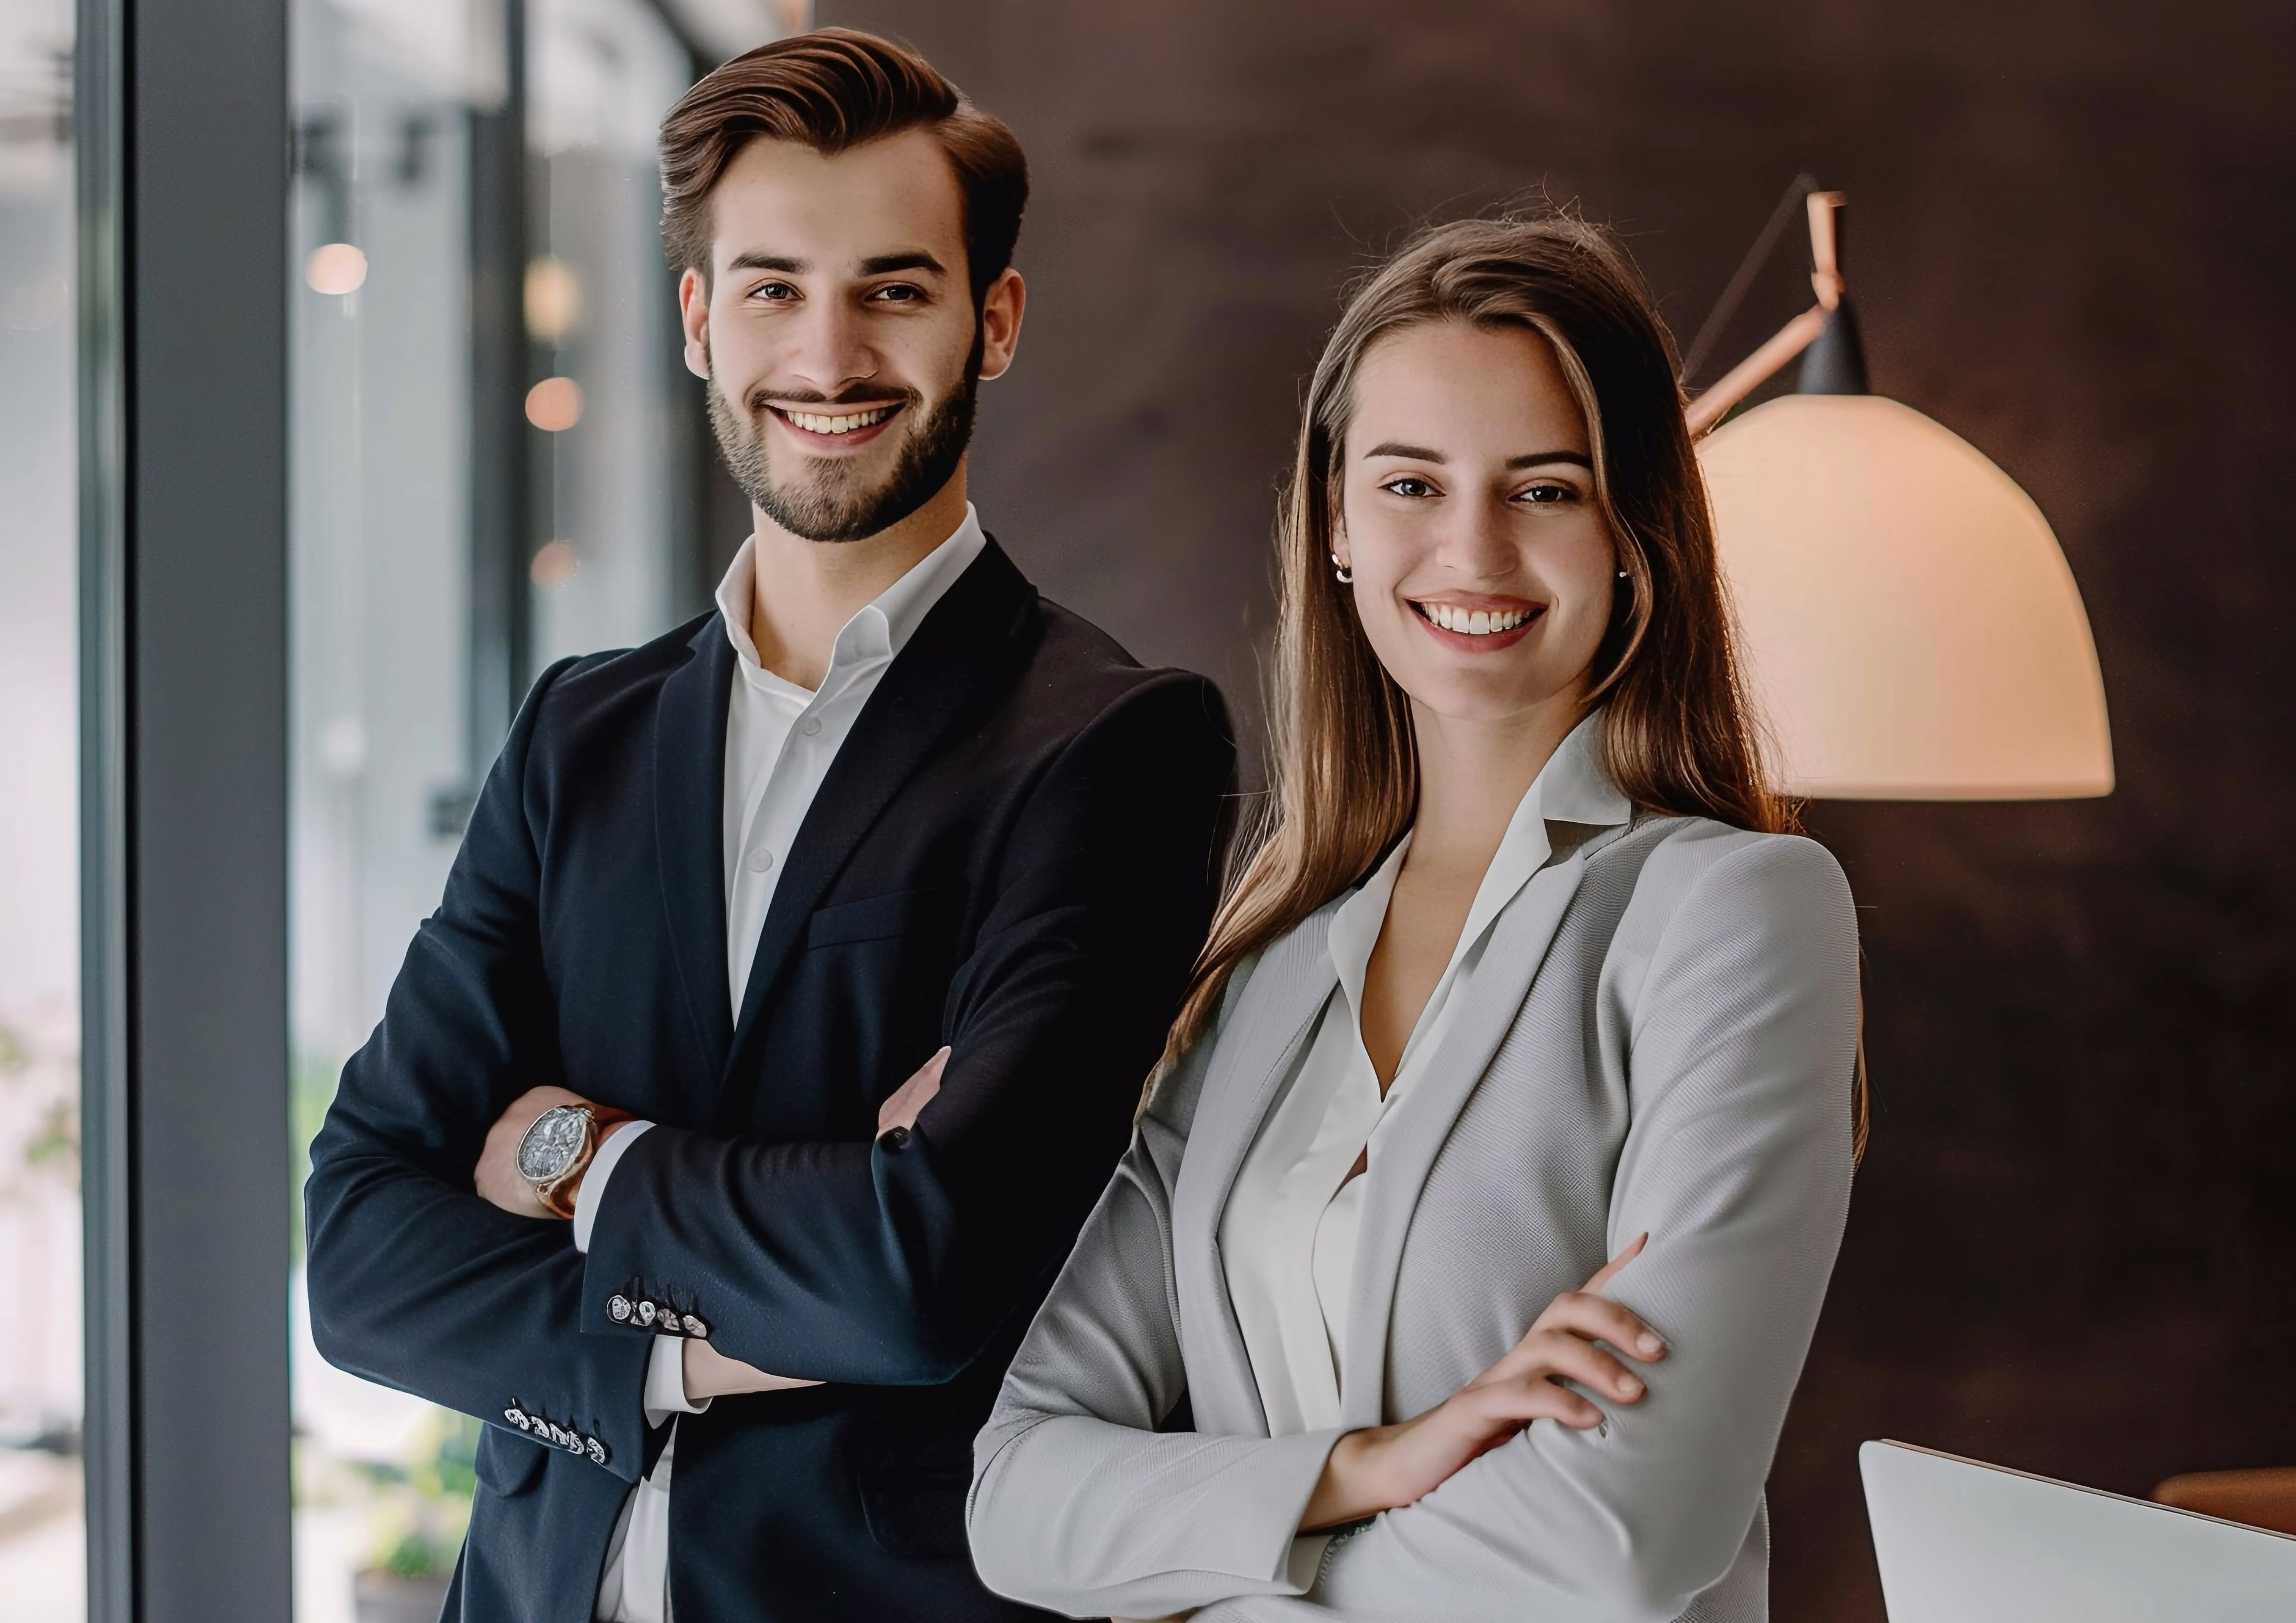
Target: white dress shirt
[
  {"x": 780, "y": 741},
  {"x": 1288, "y": 1235}
]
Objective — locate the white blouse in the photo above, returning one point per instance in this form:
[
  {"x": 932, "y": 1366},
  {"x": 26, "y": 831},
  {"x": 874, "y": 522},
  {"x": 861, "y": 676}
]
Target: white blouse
[{"x": 1288, "y": 1235}]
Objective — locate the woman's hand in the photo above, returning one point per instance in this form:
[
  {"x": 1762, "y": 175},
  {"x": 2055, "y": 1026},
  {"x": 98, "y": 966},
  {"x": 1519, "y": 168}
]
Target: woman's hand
[
  {"x": 1386, "y": 1467},
  {"x": 912, "y": 1097}
]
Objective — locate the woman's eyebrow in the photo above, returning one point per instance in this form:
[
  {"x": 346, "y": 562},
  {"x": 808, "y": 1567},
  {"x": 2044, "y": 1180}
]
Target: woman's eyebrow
[
  {"x": 1577, "y": 458},
  {"x": 1391, "y": 448}
]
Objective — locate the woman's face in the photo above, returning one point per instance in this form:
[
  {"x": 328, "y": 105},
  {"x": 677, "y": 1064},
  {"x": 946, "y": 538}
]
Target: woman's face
[{"x": 1483, "y": 569}]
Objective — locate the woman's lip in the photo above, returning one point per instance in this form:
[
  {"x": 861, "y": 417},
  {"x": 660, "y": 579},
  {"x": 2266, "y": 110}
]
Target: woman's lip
[
  {"x": 1472, "y": 601},
  {"x": 1490, "y": 642},
  {"x": 852, "y": 440}
]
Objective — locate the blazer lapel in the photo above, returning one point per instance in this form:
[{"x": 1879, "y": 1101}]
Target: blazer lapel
[
  {"x": 1519, "y": 941},
  {"x": 689, "y": 802},
  {"x": 1278, "y": 1011},
  {"x": 965, "y": 647}
]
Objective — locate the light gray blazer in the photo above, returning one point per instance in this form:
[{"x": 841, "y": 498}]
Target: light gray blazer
[{"x": 1662, "y": 1038}]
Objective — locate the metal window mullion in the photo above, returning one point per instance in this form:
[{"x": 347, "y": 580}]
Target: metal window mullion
[{"x": 181, "y": 122}]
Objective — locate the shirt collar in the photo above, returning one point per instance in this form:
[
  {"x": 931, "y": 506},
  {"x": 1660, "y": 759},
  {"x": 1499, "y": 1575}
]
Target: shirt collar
[
  {"x": 1574, "y": 786},
  {"x": 879, "y": 630}
]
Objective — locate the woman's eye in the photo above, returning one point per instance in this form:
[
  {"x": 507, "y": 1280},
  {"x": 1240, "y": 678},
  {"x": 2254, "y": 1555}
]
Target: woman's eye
[
  {"x": 1409, "y": 487},
  {"x": 1543, "y": 494}
]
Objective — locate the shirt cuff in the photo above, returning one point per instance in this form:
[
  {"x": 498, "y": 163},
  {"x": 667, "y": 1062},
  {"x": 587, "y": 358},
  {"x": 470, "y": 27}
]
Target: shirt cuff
[
  {"x": 665, "y": 1383},
  {"x": 594, "y": 1180}
]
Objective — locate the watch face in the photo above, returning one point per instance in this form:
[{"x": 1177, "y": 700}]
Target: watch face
[{"x": 552, "y": 1143}]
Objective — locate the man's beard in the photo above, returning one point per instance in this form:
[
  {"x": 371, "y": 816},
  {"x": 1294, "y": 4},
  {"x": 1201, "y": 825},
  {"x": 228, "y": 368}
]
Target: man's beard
[{"x": 829, "y": 503}]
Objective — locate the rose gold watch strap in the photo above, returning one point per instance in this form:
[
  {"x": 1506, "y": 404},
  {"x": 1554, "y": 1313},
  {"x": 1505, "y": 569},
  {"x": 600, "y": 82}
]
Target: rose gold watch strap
[{"x": 558, "y": 1199}]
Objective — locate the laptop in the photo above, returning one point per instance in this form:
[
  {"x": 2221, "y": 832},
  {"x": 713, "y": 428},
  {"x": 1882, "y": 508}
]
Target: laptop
[{"x": 1962, "y": 1542}]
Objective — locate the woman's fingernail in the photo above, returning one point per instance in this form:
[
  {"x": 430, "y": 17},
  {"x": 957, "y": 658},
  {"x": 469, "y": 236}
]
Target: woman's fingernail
[
  {"x": 1650, "y": 1344},
  {"x": 1631, "y": 1387}
]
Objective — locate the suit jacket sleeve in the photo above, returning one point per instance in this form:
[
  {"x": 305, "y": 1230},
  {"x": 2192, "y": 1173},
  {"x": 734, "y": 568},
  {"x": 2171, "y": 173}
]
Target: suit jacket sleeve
[
  {"x": 894, "y": 1263},
  {"x": 1737, "y": 1165},
  {"x": 415, "y": 1281},
  {"x": 1148, "y": 1523}
]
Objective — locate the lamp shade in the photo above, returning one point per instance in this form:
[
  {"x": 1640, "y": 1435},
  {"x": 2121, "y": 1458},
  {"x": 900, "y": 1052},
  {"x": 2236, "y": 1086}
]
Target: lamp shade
[{"x": 1909, "y": 627}]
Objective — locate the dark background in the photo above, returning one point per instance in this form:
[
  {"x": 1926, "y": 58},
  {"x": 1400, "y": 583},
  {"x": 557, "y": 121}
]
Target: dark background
[{"x": 2073, "y": 1246}]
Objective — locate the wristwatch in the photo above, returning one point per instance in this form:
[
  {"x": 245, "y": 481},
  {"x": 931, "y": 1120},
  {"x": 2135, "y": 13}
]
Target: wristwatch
[{"x": 557, "y": 1148}]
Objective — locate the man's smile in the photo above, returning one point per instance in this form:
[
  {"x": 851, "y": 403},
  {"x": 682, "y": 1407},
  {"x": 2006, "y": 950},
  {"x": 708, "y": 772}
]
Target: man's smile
[{"x": 844, "y": 427}]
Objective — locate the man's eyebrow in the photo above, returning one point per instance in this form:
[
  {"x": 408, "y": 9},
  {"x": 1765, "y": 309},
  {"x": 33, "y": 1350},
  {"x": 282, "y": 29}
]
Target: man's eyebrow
[
  {"x": 754, "y": 260},
  {"x": 884, "y": 265}
]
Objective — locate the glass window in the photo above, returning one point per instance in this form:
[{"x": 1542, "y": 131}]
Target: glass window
[
  {"x": 488, "y": 459},
  {"x": 42, "y": 1560}
]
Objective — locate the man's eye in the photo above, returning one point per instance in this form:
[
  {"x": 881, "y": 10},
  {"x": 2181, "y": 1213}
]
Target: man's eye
[
  {"x": 899, "y": 293},
  {"x": 777, "y": 292},
  {"x": 1409, "y": 487}
]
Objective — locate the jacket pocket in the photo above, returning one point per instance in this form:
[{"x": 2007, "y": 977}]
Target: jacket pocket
[
  {"x": 508, "y": 1464},
  {"x": 913, "y": 1494},
  {"x": 873, "y": 918}
]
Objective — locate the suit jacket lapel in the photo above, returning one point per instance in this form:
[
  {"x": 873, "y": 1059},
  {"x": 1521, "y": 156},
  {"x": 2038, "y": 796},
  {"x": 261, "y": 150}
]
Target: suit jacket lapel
[
  {"x": 1521, "y": 939},
  {"x": 689, "y": 809},
  {"x": 967, "y": 646},
  {"x": 1274, "y": 1015}
]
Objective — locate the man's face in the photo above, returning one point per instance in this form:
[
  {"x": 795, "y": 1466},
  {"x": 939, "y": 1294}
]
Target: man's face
[{"x": 837, "y": 331}]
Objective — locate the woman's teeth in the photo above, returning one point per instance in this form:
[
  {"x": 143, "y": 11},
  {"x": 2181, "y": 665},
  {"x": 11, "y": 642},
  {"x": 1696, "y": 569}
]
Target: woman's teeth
[
  {"x": 814, "y": 423},
  {"x": 1473, "y": 622}
]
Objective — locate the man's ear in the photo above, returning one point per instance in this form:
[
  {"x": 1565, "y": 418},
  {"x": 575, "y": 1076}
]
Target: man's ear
[
  {"x": 1001, "y": 309},
  {"x": 694, "y": 317}
]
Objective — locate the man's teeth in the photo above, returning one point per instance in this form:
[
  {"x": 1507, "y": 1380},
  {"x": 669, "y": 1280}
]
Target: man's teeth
[
  {"x": 814, "y": 423},
  {"x": 1474, "y": 622}
]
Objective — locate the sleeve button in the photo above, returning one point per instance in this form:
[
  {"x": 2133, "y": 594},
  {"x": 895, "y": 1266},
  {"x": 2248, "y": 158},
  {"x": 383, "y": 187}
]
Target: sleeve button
[{"x": 895, "y": 1137}]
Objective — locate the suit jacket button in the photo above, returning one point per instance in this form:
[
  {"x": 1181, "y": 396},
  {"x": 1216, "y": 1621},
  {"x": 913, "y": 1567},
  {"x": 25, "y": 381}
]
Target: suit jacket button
[
  {"x": 667, "y": 1324},
  {"x": 599, "y": 1453},
  {"x": 646, "y": 1312},
  {"x": 894, "y": 1137},
  {"x": 695, "y": 1328},
  {"x": 618, "y": 1309},
  {"x": 517, "y": 1417}
]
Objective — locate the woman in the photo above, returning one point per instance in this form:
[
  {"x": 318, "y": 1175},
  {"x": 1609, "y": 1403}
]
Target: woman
[{"x": 1524, "y": 974}]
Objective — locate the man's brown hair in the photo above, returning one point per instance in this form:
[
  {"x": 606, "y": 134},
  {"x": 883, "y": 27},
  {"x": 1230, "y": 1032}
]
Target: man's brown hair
[{"x": 833, "y": 89}]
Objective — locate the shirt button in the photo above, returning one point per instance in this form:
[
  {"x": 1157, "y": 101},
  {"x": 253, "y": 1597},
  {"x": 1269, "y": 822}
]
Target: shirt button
[
  {"x": 810, "y": 725},
  {"x": 760, "y": 860}
]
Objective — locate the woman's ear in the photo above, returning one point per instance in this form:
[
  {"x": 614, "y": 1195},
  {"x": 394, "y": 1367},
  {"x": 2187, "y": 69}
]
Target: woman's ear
[{"x": 1342, "y": 557}]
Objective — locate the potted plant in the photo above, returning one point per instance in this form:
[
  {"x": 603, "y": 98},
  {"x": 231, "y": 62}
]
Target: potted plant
[{"x": 420, "y": 1514}]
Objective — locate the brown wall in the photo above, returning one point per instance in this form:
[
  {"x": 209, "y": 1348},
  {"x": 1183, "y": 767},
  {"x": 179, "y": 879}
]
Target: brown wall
[{"x": 2073, "y": 1249}]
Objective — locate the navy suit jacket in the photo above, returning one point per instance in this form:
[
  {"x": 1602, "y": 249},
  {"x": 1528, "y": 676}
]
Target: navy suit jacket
[{"x": 1013, "y": 854}]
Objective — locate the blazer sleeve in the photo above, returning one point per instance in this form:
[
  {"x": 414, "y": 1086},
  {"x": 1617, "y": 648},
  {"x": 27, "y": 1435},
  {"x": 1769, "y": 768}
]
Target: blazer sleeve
[
  {"x": 1079, "y": 1502},
  {"x": 1737, "y": 1164},
  {"x": 415, "y": 1281},
  {"x": 896, "y": 1262}
]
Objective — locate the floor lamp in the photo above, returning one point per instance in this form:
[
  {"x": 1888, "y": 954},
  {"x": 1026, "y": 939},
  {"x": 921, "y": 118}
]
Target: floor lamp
[{"x": 1910, "y": 627}]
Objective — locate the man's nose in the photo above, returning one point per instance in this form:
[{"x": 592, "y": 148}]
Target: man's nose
[{"x": 831, "y": 350}]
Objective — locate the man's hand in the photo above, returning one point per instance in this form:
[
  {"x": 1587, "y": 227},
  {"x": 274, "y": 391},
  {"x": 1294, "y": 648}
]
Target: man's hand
[
  {"x": 901, "y": 1110},
  {"x": 499, "y": 1179},
  {"x": 711, "y": 1373}
]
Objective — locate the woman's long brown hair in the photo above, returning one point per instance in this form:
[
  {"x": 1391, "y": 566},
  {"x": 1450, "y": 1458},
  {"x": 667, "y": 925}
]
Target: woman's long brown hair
[{"x": 1343, "y": 767}]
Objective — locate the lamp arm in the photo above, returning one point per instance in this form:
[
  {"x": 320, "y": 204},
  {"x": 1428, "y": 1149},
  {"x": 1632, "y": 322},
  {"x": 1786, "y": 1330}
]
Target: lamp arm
[
  {"x": 1703, "y": 413},
  {"x": 1757, "y": 369}
]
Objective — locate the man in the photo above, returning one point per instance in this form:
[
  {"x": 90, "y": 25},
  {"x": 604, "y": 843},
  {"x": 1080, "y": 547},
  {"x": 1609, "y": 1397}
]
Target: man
[{"x": 809, "y": 960}]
